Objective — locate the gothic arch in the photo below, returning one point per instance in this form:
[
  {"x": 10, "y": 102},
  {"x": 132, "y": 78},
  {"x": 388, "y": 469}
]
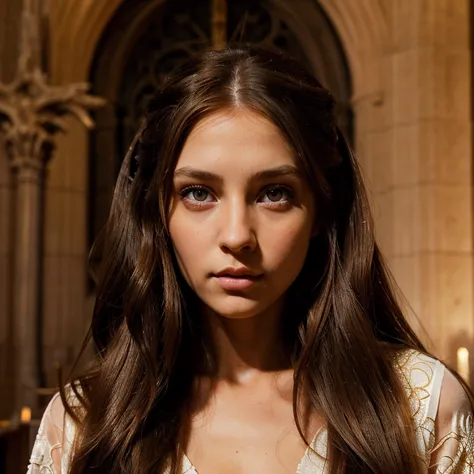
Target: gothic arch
[
  {"x": 363, "y": 29},
  {"x": 312, "y": 36},
  {"x": 136, "y": 45},
  {"x": 77, "y": 26}
]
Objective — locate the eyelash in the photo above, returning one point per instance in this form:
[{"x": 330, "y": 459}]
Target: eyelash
[
  {"x": 185, "y": 191},
  {"x": 280, "y": 204}
]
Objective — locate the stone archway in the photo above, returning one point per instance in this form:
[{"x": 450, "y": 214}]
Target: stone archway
[
  {"x": 77, "y": 26},
  {"x": 75, "y": 32},
  {"x": 137, "y": 49}
]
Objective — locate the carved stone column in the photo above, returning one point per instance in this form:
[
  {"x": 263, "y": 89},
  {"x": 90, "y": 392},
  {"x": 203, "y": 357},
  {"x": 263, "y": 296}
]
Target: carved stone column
[
  {"x": 31, "y": 113},
  {"x": 28, "y": 153}
]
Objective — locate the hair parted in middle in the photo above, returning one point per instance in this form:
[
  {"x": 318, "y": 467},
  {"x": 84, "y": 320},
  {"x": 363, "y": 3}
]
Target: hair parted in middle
[{"x": 343, "y": 323}]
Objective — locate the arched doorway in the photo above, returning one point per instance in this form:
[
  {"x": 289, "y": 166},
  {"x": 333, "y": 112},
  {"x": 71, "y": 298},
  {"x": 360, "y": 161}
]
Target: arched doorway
[{"x": 145, "y": 40}]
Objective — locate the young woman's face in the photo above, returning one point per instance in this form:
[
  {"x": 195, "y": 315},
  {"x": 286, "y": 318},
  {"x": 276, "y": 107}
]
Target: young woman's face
[{"x": 242, "y": 215}]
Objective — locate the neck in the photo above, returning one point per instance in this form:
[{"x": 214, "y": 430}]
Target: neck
[{"x": 246, "y": 348}]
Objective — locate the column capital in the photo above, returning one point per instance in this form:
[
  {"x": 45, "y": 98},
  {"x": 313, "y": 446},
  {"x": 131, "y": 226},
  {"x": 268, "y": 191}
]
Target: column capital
[
  {"x": 28, "y": 150},
  {"x": 32, "y": 112}
]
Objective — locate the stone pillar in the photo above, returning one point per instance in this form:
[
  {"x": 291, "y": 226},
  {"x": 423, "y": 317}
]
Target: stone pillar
[
  {"x": 421, "y": 168},
  {"x": 28, "y": 172},
  {"x": 7, "y": 367},
  {"x": 10, "y": 11}
]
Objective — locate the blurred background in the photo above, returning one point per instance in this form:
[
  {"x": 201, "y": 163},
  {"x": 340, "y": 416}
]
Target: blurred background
[{"x": 75, "y": 76}]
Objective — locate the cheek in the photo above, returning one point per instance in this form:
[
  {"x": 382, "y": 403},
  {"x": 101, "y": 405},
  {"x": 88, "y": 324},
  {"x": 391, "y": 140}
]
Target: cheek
[
  {"x": 287, "y": 252},
  {"x": 188, "y": 245}
]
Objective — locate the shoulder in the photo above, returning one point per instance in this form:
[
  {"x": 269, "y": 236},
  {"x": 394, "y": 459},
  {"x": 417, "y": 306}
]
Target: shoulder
[
  {"x": 431, "y": 385},
  {"x": 455, "y": 412},
  {"x": 56, "y": 414},
  {"x": 429, "y": 378},
  {"x": 422, "y": 378},
  {"x": 55, "y": 436},
  {"x": 452, "y": 449},
  {"x": 441, "y": 408},
  {"x": 453, "y": 398},
  {"x": 414, "y": 364},
  {"x": 436, "y": 386}
]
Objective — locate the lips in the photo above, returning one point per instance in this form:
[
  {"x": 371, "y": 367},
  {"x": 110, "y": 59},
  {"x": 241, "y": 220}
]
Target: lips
[
  {"x": 237, "y": 279},
  {"x": 237, "y": 272}
]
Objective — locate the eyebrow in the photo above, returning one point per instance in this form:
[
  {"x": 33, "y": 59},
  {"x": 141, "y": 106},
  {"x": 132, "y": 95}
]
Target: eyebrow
[{"x": 271, "y": 173}]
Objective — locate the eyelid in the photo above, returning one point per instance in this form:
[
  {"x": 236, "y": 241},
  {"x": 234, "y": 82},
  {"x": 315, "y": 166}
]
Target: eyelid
[
  {"x": 288, "y": 189},
  {"x": 191, "y": 187},
  {"x": 278, "y": 186}
]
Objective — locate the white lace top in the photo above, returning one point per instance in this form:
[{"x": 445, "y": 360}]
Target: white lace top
[{"x": 441, "y": 411}]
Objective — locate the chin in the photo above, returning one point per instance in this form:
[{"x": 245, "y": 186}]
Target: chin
[{"x": 237, "y": 307}]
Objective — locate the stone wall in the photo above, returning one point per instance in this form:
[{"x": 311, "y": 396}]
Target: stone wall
[
  {"x": 427, "y": 184},
  {"x": 412, "y": 100}
]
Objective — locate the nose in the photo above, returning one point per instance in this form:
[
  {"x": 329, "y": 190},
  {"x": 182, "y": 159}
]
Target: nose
[{"x": 236, "y": 231}]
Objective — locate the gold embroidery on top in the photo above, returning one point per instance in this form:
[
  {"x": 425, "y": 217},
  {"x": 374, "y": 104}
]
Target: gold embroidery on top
[{"x": 454, "y": 453}]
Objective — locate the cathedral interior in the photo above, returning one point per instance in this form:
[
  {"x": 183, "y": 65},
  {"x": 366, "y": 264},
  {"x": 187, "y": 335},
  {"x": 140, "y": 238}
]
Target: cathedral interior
[{"x": 75, "y": 77}]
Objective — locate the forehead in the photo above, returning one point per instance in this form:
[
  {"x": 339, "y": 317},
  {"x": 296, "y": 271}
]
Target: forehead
[{"x": 235, "y": 140}]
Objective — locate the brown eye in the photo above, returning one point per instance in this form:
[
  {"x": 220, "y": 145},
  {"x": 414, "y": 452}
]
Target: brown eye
[
  {"x": 199, "y": 195},
  {"x": 275, "y": 194},
  {"x": 196, "y": 194}
]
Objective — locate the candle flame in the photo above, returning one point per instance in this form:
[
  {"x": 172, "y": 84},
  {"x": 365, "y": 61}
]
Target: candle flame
[{"x": 25, "y": 415}]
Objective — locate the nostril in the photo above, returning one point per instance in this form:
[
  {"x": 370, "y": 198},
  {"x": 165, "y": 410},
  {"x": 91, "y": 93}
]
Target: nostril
[{"x": 233, "y": 248}]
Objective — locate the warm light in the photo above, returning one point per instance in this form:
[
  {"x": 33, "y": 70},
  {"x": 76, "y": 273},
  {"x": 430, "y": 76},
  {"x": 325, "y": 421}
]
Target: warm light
[
  {"x": 463, "y": 363},
  {"x": 25, "y": 416}
]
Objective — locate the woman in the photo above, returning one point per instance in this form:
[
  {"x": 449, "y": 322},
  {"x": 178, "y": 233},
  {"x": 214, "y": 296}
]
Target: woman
[{"x": 245, "y": 322}]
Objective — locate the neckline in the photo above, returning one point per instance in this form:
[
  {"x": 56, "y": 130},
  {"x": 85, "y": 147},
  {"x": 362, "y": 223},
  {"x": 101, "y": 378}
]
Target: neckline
[{"x": 188, "y": 467}]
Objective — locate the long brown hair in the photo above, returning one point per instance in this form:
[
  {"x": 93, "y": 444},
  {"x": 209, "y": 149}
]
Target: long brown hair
[{"x": 343, "y": 319}]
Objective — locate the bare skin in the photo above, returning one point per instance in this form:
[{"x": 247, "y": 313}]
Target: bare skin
[
  {"x": 243, "y": 421},
  {"x": 243, "y": 205}
]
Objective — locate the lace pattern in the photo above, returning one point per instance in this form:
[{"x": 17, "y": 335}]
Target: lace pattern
[
  {"x": 41, "y": 461},
  {"x": 52, "y": 448}
]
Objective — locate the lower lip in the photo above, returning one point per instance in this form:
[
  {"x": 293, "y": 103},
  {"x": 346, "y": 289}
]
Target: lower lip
[{"x": 236, "y": 283}]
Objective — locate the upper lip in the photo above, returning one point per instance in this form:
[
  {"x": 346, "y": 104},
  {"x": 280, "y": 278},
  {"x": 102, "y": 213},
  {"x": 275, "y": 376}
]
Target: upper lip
[{"x": 237, "y": 272}]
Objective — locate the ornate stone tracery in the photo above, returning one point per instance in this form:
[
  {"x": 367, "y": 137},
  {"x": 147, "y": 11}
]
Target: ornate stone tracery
[
  {"x": 180, "y": 30},
  {"x": 31, "y": 113}
]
